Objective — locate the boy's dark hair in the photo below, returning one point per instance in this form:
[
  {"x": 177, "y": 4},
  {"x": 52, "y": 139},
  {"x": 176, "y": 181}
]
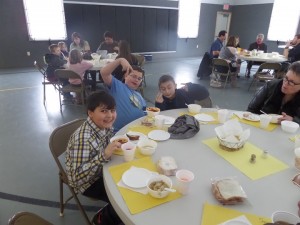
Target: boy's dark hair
[
  {"x": 222, "y": 33},
  {"x": 165, "y": 78},
  {"x": 100, "y": 98},
  {"x": 137, "y": 68},
  {"x": 108, "y": 34}
]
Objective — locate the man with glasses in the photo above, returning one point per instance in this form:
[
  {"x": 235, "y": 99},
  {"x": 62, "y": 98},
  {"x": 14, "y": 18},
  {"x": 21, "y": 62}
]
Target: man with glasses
[
  {"x": 280, "y": 96},
  {"x": 130, "y": 104}
]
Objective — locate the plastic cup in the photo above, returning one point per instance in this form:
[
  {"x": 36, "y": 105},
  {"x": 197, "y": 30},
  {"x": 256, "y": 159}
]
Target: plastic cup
[
  {"x": 222, "y": 115},
  {"x": 128, "y": 151},
  {"x": 184, "y": 178},
  {"x": 264, "y": 120},
  {"x": 159, "y": 122}
]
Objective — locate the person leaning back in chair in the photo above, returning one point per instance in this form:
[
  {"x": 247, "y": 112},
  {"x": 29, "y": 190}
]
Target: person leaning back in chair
[
  {"x": 130, "y": 103},
  {"x": 258, "y": 45},
  {"x": 109, "y": 44},
  {"x": 89, "y": 148},
  {"x": 280, "y": 96},
  {"x": 169, "y": 97}
]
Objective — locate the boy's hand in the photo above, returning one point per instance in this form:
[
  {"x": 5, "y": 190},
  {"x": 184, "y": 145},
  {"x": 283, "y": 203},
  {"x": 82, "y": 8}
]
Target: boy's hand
[
  {"x": 159, "y": 98},
  {"x": 111, "y": 147}
]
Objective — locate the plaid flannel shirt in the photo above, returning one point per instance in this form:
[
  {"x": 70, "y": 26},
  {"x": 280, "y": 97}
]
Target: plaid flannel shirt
[{"x": 84, "y": 158}]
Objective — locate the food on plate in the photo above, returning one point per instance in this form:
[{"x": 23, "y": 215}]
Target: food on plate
[
  {"x": 250, "y": 116},
  {"x": 158, "y": 185},
  {"x": 228, "y": 191},
  {"x": 121, "y": 140},
  {"x": 153, "y": 109},
  {"x": 133, "y": 137},
  {"x": 167, "y": 165}
]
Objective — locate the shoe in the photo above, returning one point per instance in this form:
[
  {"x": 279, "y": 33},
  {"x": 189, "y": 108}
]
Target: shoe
[{"x": 216, "y": 84}]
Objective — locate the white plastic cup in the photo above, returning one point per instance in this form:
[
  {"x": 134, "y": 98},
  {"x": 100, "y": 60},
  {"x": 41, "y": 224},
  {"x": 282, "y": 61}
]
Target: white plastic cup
[
  {"x": 128, "y": 151},
  {"x": 184, "y": 179},
  {"x": 222, "y": 115},
  {"x": 159, "y": 122},
  {"x": 264, "y": 120}
]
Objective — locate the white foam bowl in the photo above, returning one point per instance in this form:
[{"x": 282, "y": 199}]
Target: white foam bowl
[
  {"x": 289, "y": 126},
  {"x": 194, "y": 108},
  {"x": 152, "y": 113},
  {"x": 285, "y": 217},
  {"x": 159, "y": 194},
  {"x": 147, "y": 146}
]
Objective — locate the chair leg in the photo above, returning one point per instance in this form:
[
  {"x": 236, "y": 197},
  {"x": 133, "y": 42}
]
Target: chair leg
[
  {"x": 253, "y": 80},
  {"x": 59, "y": 96},
  {"x": 81, "y": 209},
  {"x": 61, "y": 197},
  {"x": 44, "y": 97}
]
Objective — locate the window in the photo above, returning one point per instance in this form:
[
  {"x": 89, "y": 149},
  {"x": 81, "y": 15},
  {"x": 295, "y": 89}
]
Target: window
[
  {"x": 284, "y": 20},
  {"x": 45, "y": 19},
  {"x": 188, "y": 19}
]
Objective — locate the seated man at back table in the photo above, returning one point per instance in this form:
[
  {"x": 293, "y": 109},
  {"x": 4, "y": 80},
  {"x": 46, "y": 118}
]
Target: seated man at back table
[
  {"x": 109, "y": 44},
  {"x": 259, "y": 46},
  {"x": 293, "y": 54},
  {"x": 218, "y": 44},
  {"x": 130, "y": 104}
]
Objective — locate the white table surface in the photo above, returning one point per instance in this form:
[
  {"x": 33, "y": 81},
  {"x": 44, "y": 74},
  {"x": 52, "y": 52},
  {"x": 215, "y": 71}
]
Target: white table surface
[
  {"x": 99, "y": 64},
  {"x": 278, "y": 59},
  {"x": 265, "y": 195}
]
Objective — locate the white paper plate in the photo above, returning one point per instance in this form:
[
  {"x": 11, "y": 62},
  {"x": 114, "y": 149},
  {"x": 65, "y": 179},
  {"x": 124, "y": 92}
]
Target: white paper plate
[
  {"x": 204, "y": 117},
  {"x": 252, "y": 117},
  {"x": 168, "y": 119},
  {"x": 159, "y": 135},
  {"x": 142, "y": 136},
  {"x": 136, "y": 177}
]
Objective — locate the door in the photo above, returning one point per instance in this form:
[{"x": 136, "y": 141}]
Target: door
[{"x": 222, "y": 22}]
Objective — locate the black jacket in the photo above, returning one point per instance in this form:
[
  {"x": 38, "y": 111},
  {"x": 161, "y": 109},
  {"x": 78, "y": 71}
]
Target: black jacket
[
  {"x": 262, "y": 47},
  {"x": 54, "y": 62},
  {"x": 269, "y": 99},
  {"x": 183, "y": 97}
]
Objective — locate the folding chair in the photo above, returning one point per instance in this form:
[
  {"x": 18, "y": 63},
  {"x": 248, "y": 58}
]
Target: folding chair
[
  {"x": 221, "y": 68},
  {"x": 26, "y": 218},
  {"x": 58, "y": 142},
  {"x": 265, "y": 72},
  {"x": 205, "y": 103},
  {"x": 141, "y": 62},
  {"x": 45, "y": 81},
  {"x": 64, "y": 74}
]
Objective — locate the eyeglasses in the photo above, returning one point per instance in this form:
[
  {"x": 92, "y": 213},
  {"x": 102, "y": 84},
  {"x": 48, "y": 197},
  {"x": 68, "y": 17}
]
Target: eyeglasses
[
  {"x": 290, "y": 82},
  {"x": 136, "y": 77}
]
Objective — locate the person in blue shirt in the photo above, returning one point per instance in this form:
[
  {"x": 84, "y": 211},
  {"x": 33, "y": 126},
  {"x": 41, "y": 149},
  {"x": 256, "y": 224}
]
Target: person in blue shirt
[
  {"x": 130, "y": 104},
  {"x": 218, "y": 44},
  {"x": 169, "y": 97}
]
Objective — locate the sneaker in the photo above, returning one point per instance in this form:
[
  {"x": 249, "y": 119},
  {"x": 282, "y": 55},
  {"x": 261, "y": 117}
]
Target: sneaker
[{"x": 216, "y": 84}]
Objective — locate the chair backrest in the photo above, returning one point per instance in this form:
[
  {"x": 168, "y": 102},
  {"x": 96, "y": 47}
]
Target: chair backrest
[
  {"x": 59, "y": 139},
  {"x": 141, "y": 60},
  {"x": 39, "y": 68},
  {"x": 25, "y": 218},
  {"x": 270, "y": 66},
  {"x": 66, "y": 74},
  {"x": 220, "y": 62}
]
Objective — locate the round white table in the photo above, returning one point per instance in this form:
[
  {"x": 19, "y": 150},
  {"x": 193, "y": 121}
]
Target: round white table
[
  {"x": 265, "y": 195},
  {"x": 278, "y": 59}
]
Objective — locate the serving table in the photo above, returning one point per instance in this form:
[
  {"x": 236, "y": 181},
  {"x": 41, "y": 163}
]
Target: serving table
[{"x": 265, "y": 195}]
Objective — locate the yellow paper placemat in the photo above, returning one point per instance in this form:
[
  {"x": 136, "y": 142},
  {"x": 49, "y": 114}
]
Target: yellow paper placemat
[
  {"x": 271, "y": 127},
  {"x": 142, "y": 129},
  {"x": 137, "y": 202},
  {"x": 137, "y": 155},
  {"x": 214, "y": 214},
  {"x": 241, "y": 160},
  {"x": 293, "y": 138},
  {"x": 213, "y": 114}
]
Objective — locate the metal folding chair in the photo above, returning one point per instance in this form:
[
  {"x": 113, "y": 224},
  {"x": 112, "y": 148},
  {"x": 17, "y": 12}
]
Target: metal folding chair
[
  {"x": 219, "y": 66},
  {"x": 58, "y": 142},
  {"x": 26, "y": 218}
]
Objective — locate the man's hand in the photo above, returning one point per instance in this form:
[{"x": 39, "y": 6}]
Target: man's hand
[{"x": 285, "y": 117}]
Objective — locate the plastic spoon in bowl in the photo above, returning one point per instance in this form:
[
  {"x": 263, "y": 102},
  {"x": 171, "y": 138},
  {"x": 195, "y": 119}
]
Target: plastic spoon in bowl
[
  {"x": 263, "y": 112},
  {"x": 169, "y": 189}
]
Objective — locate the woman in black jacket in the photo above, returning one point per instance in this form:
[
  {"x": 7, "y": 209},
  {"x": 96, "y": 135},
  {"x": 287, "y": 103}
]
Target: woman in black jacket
[{"x": 280, "y": 96}]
